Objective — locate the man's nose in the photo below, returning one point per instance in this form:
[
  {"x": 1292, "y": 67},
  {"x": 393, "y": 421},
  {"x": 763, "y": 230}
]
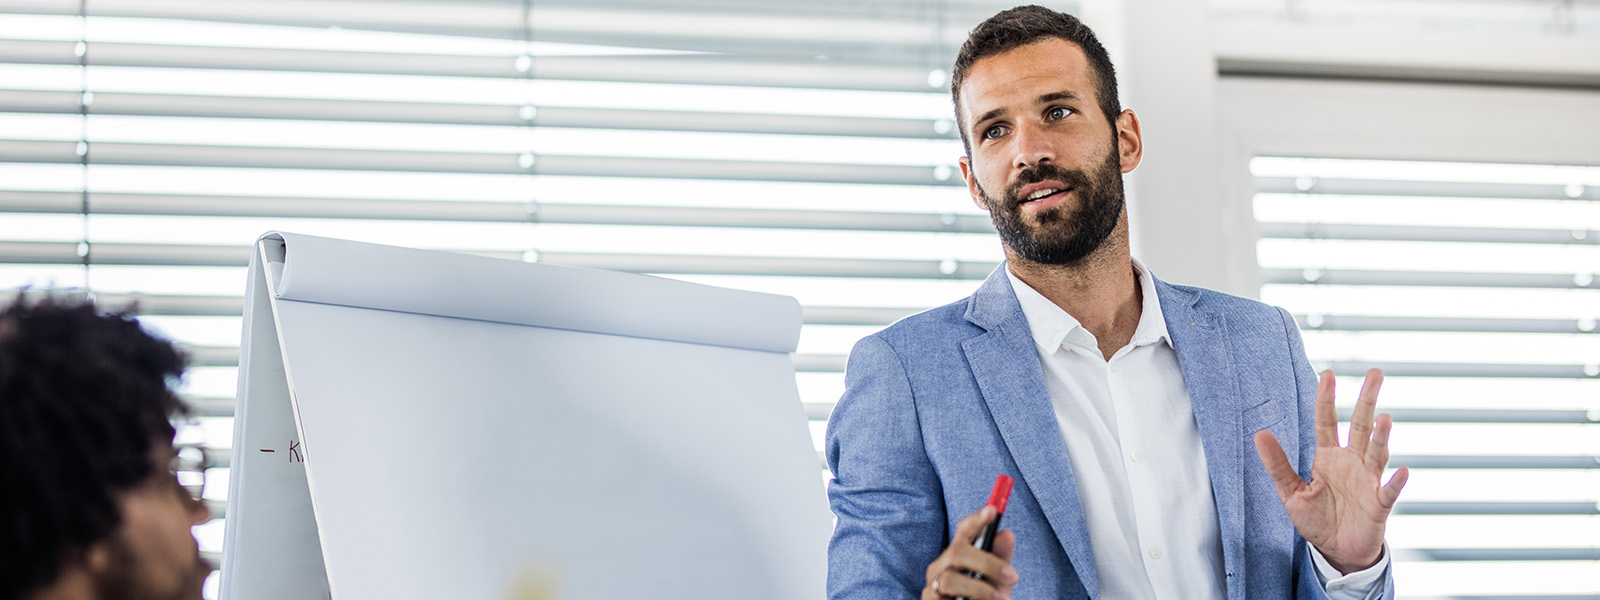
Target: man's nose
[{"x": 1032, "y": 146}]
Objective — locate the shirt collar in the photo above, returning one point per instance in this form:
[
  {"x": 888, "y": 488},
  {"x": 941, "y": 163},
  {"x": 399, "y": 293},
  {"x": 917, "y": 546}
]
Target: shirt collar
[{"x": 1052, "y": 327}]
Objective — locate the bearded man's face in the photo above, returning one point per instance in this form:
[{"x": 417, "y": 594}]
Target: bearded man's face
[
  {"x": 1043, "y": 158},
  {"x": 1065, "y": 233}
]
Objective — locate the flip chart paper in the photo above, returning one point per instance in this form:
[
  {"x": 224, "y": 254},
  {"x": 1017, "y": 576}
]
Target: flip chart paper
[{"x": 462, "y": 421}]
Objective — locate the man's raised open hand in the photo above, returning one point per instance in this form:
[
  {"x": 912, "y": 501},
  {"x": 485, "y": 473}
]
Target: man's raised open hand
[{"x": 1343, "y": 509}]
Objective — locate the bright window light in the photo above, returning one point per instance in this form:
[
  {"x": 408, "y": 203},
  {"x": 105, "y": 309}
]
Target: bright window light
[
  {"x": 1524, "y": 303},
  {"x": 1435, "y": 212}
]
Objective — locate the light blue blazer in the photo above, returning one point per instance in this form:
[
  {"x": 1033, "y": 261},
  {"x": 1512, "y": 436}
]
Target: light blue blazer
[{"x": 939, "y": 403}]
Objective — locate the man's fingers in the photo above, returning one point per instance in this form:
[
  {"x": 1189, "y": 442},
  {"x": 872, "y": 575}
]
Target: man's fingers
[
  {"x": 958, "y": 585},
  {"x": 1391, "y": 492},
  {"x": 969, "y": 528},
  {"x": 951, "y": 569},
  {"x": 1361, "y": 417},
  {"x": 955, "y": 568},
  {"x": 1327, "y": 417},
  {"x": 972, "y": 560},
  {"x": 1277, "y": 464},
  {"x": 1378, "y": 452},
  {"x": 1005, "y": 543}
]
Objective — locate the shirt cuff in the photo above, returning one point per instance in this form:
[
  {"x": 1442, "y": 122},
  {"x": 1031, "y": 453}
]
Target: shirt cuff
[{"x": 1359, "y": 585}]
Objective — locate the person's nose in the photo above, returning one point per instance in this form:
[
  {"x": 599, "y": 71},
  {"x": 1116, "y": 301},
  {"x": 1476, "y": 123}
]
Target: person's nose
[
  {"x": 1032, "y": 146},
  {"x": 199, "y": 512}
]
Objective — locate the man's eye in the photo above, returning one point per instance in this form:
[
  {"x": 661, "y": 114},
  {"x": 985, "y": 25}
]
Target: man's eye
[
  {"x": 994, "y": 132},
  {"x": 1059, "y": 112}
]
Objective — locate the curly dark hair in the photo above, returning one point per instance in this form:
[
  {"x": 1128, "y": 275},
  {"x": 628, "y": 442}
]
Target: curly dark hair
[
  {"x": 1017, "y": 27},
  {"x": 84, "y": 399}
]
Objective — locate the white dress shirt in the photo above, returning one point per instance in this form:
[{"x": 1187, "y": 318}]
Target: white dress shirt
[{"x": 1136, "y": 453}]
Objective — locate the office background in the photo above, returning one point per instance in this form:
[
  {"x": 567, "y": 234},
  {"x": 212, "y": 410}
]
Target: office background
[{"x": 1418, "y": 181}]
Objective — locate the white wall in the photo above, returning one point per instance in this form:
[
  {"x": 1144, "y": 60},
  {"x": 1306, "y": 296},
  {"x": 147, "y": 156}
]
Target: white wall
[{"x": 1167, "y": 73}]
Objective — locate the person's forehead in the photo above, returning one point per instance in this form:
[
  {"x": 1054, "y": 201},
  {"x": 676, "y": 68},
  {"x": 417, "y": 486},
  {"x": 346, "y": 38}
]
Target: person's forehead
[{"x": 1023, "y": 74}]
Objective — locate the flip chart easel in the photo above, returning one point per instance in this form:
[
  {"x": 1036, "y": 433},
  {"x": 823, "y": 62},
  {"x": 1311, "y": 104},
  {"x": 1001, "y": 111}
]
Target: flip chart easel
[{"x": 416, "y": 424}]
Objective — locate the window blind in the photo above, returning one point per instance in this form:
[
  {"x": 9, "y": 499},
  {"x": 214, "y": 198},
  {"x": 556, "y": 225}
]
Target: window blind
[{"x": 1472, "y": 286}]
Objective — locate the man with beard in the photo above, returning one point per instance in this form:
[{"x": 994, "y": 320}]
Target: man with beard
[
  {"x": 1126, "y": 409},
  {"x": 90, "y": 505}
]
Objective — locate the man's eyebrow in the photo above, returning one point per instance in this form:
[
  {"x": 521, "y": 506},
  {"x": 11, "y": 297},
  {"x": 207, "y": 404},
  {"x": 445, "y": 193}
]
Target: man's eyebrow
[
  {"x": 988, "y": 115},
  {"x": 1055, "y": 96}
]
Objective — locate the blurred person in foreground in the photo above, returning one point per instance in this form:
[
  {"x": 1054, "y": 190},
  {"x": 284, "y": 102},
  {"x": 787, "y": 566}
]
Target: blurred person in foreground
[
  {"x": 1168, "y": 442},
  {"x": 90, "y": 506}
]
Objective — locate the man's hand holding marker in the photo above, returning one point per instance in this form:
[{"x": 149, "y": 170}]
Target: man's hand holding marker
[{"x": 977, "y": 564}]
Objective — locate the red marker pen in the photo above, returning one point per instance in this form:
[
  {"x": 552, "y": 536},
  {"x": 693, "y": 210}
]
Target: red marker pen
[{"x": 997, "y": 499}]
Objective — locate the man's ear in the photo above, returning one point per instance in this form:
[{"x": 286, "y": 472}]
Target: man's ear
[
  {"x": 972, "y": 182},
  {"x": 1130, "y": 143}
]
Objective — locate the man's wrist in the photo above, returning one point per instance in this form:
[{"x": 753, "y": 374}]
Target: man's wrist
[
  {"x": 1327, "y": 567},
  {"x": 1346, "y": 568},
  {"x": 1366, "y": 584}
]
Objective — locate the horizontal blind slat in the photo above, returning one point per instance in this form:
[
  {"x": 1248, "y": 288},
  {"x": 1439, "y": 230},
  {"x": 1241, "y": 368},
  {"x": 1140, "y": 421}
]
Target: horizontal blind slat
[
  {"x": 678, "y": 264},
  {"x": 1409, "y": 233},
  {"x": 792, "y": 267},
  {"x": 1466, "y": 415},
  {"x": 1430, "y": 278},
  {"x": 188, "y": 155},
  {"x": 1444, "y": 324},
  {"x": 1495, "y": 554},
  {"x": 1497, "y": 508},
  {"x": 478, "y": 211},
  {"x": 1468, "y": 370},
  {"x": 1426, "y": 189},
  {"x": 1457, "y": 461},
  {"x": 702, "y": 69},
  {"x": 318, "y": 109}
]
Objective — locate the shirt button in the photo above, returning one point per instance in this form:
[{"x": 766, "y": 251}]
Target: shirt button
[
  {"x": 1155, "y": 553},
  {"x": 1113, "y": 368},
  {"x": 1134, "y": 457},
  {"x": 1336, "y": 586}
]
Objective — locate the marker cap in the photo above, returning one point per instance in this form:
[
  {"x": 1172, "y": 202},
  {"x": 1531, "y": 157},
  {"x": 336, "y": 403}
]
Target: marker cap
[{"x": 1001, "y": 493}]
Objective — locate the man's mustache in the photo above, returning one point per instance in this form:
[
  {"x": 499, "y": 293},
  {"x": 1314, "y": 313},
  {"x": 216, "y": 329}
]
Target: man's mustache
[{"x": 1073, "y": 178}]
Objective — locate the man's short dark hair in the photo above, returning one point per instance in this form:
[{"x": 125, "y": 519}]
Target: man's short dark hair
[
  {"x": 84, "y": 398},
  {"x": 1024, "y": 25}
]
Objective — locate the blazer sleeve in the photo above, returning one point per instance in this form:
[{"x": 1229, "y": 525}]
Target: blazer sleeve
[
  {"x": 884, "y": 492},
  {"x": 1308, "y": 586}
]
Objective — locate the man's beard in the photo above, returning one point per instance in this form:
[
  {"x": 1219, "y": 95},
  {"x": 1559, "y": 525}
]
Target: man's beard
[
  {"x": 126, "y": 578},
  {"x": 1061, "y": 237}
]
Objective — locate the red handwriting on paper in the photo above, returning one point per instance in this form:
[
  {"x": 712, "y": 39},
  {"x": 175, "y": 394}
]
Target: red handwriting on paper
[{"x": 294, "y": 450}]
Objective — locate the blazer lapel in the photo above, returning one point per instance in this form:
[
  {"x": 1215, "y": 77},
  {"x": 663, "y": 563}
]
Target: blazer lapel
[
  {"x": 1006, "y": 367},
  {"x": 1200, "y": 339}
]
